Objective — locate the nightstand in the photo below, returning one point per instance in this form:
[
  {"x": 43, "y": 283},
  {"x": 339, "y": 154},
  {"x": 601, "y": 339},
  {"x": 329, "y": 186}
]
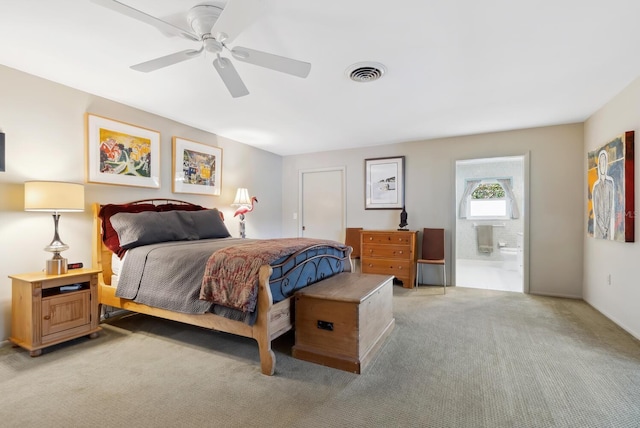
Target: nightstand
[{"x": 50, "y": 309}]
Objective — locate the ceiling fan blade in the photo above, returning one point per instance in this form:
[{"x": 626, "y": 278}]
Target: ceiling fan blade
[
  {"x": 165, "y": 61},
  {"x": 274, "y": 62},
  {"x": 161, "y": 25},
  {"x": 236, "y": 16},
  {"x": 230, "y": 77}
]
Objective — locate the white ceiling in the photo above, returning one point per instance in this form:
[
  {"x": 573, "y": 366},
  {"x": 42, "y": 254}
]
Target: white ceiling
[{"x": 454, "y": 67}]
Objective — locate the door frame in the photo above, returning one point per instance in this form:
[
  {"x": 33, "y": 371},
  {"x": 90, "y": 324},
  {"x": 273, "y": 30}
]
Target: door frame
[
  {"x": 343, "y": 171},
  {"x": 526, "y": 171}
]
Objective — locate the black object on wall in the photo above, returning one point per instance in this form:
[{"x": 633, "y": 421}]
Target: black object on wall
[{"x": 1, "y": 151}]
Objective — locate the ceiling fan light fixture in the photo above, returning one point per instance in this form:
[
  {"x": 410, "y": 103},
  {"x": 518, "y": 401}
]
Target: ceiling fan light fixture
[
  {"x": 202, "y": 17},
  {"x": 363, "y": 72}
]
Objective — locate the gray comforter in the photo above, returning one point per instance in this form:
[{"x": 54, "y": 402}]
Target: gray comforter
[{"x": 169, "y": 275}]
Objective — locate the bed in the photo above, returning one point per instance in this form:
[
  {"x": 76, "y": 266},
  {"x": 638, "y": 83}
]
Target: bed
[{"x": 308, "y": 261}]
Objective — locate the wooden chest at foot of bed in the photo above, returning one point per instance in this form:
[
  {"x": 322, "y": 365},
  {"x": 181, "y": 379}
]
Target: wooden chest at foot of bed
[{"x": 342, "y": 322}]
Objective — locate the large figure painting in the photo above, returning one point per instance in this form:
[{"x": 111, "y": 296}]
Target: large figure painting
[{"x": 610, "y": 207}]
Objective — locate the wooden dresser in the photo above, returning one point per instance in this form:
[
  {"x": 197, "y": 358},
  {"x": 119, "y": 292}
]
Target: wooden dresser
[{"x": 390, "y": 252}]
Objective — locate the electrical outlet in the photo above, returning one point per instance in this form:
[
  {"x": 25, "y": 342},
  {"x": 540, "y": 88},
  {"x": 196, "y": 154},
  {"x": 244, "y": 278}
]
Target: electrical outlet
[{"x": 609, "y": 279}]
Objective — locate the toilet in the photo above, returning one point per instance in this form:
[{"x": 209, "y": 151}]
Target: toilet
[{"x": 509, "y": 258}]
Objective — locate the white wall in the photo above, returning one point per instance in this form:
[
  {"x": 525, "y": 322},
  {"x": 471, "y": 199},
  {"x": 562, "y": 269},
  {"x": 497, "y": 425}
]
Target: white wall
[
  {"x": 44, "y": 127},
  {"x": 620, "y": 300},
  {"x": 556, "y": 191}
]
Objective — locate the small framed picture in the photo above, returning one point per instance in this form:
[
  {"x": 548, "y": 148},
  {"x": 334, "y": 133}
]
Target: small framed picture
[
  {"x": 197, "y": 167},
  {"x": 121, "y": 153},
  {"x": 384, "y": 183}
]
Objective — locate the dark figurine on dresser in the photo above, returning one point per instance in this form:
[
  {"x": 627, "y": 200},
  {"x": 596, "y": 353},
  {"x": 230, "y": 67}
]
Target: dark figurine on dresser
[{"x": 403, "y": 220}]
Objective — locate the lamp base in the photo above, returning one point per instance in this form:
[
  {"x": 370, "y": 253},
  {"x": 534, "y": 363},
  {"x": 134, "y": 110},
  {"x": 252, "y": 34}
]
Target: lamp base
[
  {"x": 57, "y": 266},
  {"x": 242, "y": 229}
]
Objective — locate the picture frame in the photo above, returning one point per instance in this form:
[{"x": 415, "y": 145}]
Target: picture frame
[
  {"x": 610, "y": 179},
  {"x": 121, "y": 153},
  {"x": 196, "y": 167},
  {"x": 384, "y": 183}
]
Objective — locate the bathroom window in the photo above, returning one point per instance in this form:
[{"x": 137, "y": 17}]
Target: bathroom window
[{"x": 488, "y": 201}]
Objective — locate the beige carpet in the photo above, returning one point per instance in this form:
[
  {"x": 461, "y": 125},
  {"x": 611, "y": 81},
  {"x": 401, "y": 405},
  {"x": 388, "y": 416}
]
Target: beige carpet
[{"x": 470, "y": 358}]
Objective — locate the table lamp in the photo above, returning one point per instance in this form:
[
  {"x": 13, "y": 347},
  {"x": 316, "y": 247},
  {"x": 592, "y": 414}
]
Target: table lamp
[
  {"x": 245, "y": 205},
  {"x": 55, "y": 197}
]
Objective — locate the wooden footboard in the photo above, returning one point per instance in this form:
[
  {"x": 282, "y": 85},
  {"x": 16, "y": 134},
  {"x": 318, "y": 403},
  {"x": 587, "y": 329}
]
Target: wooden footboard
[{"x": 272, "y": 321}]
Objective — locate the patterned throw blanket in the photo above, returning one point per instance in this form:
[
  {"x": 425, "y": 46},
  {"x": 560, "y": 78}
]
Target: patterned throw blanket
[{"x": 231, "y": 275}]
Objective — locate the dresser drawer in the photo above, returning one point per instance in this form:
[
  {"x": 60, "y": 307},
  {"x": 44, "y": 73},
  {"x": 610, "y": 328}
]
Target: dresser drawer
[
  {"x": 393, "y": 267},
  {"x": 387, "y": 251},
  {"x": 387, "y": 238}
]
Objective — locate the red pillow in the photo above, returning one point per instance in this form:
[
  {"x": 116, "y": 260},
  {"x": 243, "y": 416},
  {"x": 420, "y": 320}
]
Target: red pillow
[
  {"x": 109, "y": 235},
  {"x": 179, "y": 207}
]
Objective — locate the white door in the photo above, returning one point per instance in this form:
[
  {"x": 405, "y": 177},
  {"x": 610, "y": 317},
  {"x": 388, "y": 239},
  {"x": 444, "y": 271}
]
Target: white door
[{"x": 322, "y": 199}]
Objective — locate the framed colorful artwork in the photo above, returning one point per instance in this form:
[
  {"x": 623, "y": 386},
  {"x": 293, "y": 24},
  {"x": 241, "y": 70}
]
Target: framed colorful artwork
[
  {"x": 121, "y": 153},
  {"x": 384, "y": 183},
  {"x": 610, "y": 179},
  {"x": 196, "y": 167}
]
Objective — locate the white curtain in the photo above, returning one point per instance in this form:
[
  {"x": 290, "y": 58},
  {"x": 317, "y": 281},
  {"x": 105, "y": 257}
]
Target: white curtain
[
  {"x": 469, "y": 188},
  {"x": 506, "y": 185}
]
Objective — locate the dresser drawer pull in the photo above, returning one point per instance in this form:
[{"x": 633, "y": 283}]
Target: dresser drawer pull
[{"x": 47, "y": 317}]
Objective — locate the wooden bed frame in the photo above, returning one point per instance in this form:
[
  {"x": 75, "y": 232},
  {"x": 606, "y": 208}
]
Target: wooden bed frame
[{"x": 273, "y": 319}]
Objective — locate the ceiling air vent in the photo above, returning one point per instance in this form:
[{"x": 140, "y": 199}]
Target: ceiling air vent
[{"x": 366, "y": 71}]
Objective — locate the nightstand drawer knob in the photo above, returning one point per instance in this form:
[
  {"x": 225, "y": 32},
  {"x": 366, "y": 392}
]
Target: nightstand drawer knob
[{"x": 47, "y": 317}]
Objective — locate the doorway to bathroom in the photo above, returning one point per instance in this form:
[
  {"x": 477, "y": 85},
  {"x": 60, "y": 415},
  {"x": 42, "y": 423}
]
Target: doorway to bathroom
[{"x": 491, "y": 223}]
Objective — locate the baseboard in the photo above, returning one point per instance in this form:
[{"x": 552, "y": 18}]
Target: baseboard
[
  {"x": 615, "y": 321},
  {"x": 564, "y": 296}
]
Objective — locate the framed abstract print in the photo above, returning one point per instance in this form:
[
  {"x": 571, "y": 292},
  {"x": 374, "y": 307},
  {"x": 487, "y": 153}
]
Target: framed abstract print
[
  {"x": 121, "y": 153},
  {"x": 196, "y": 167}
]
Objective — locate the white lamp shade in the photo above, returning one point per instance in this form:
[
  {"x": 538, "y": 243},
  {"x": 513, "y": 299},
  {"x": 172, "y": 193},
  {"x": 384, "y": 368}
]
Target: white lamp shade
[
  {"x": 53, "y": 196},
  {"x": 242, "y": 197}
]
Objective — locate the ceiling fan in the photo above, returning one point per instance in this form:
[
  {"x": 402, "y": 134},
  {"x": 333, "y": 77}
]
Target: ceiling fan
[{"x": 214, "y": 25}]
